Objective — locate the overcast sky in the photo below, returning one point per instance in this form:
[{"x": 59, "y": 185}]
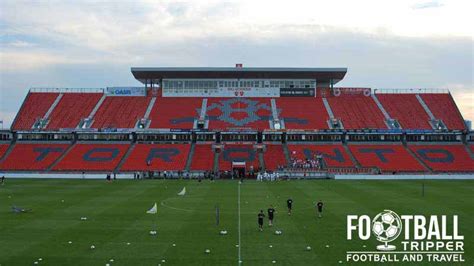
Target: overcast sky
[{"x": 384, "y": 44}]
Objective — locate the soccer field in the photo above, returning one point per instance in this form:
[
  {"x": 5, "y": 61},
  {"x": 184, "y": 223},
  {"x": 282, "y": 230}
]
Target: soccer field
[{"x": 118, "y": 226}]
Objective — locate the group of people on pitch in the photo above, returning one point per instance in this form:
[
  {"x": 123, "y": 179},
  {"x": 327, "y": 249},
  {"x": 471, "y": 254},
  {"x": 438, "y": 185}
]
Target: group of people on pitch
[{"x": 289, "y": 204}]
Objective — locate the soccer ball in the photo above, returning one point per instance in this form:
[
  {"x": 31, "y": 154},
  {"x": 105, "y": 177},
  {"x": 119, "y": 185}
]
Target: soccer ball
[
  {"x": 387, "y": 226},
  {"x": 278, "y": 232},
  {"x": 208, "y": 251},
  {"x": 224, "y": 232},
  {"x": 92, "y": 247},
  {"x": 308, "y": 248}
]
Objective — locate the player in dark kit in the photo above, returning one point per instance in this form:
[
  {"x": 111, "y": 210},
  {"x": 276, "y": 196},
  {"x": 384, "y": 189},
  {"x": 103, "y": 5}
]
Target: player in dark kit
[
  {"x": 289, "y": 204},
  {"x": 319, "y": 205},
  {"x": 260, "y": 220},
  {"x": 270, "y": 211}
]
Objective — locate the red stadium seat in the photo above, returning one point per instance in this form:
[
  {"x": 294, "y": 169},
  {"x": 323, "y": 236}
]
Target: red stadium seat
[
  {"x": 120, "y": 111},
  {"x": 406, "y": 109},
  {"x": 3, "y": 149},
  {"x": 274, "y": 157},
  {"x": 92, "y": 157},
  {"x": 357, "y": 112},
  {"x": 228, "y": 113},
  {"x": 71, "y": 109},
  {"x": 38, "y": 156},
  {"x": 164, "y": 113},
  {"x": 203, "y": 158},
  {"x": 393, "y": 158},
  {"x": 334, "y": 154},
  {"x": 303, "y": 112},
  {"x": 35, "y": 107},
  {"x": 443, "y": 107},
  {"x": 157, "y": 157},
  {"x": 445, "y": 158},
  {"x": 238, "y": 153}
]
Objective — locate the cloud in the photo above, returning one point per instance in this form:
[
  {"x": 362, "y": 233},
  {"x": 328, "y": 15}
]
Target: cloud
[{"x": 424, "y": 5}]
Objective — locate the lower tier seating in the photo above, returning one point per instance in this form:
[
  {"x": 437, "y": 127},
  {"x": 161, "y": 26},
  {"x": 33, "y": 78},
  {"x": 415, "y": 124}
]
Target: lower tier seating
[
  {"x": 274, "y": 157},
  {"x": 92, "y": 157},
  {"x": 3, "y": 149},
  {"x": 238, "y": 153},
  {"x": 445, "y": 158},
  {"x": 392, "y": 158},
  {"x": 334, "y": 154},
  {"x": 33, "y": 156},
  {"x": 203, "y": 158},
  {"x": 157, "y": 157}
]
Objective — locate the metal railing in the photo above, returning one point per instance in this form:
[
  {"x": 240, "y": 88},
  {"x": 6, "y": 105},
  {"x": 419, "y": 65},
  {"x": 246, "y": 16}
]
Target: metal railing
[
  {"x": 68, "y": 90},
  {"x": 409, "y": 91}
]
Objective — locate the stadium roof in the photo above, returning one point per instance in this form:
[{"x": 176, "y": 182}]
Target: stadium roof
[{"x": 145, "y": 74}]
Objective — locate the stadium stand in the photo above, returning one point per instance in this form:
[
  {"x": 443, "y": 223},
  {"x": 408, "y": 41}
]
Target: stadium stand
[
  {"x": 238, "y": 153},
  {"x": 27, "y": 156},
  {"x": 406, "y": 109},
  {"x": 157, "y": 157},
  {"x": 303, "y": 112},
  {"x": 445, "y": 158},
  {"x": 334, "y": 154},
  {"x": 443, "y": 107},
  {"x": 388, "y": 158},
  {"x": 92, "y": 157},
  {"x": 71, "y": 109},
  {"x": 357, "y": 112},
  {"x": 3, "y": 149},
  {"x": 203, "y": 158},
  {"x": 120, "y": 111},
  {"x": 274, "y": 157},
  {"x": 252, "y": 113},
  {"x": 34, "y": 107},
  {"x": 164, "y": 113}
]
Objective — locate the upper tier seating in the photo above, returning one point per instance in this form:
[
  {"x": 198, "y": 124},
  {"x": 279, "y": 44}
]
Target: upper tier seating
[
  {"x": 224, "y": 113},
  {"x": 92, "y": 157},
  {"x": 33, "y": 156},
  {"x": 334, "y": 154},
  {"x": 357, "y": 112},
  {"x": 71, "y": 109},
  {"x": 175, "y": 112},
  {"x": 203, "y": 157},
  {"x": 238, "y": 153},
  {"x": 157, "y": 157},
  {"x": 393, "y": 158},
  {"x": 3, "y": 149},
  {"x": 406, "y": 109},
  {"x": 445, "y": 158},
  {"x": 274, "y": 157},
  {"x": 35, "y": 107},
  {"x": 302, "y": 112},
  {"x": 443, "y": 107},
  {"x": 120, "y": 111}
]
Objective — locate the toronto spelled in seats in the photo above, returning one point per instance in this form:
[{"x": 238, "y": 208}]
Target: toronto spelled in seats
[
  {"x": 35, "y": 107},
  {"x": 38, "y": 156},
  {"x": 274, "y": 157},
  {"x": 92, "y": 157},
  {"x": 443, "y": 107},
  {"x": 175, "y": 112},
  {"x": 334, "y": 154},
  {"x": 303, "y": 112},
  {"x": 238, "y": 153},
  {"x": 252, "y": 113},
  {"x": 71, "y": 109},
  {"x": 357, "y": 112},
  {"x": 445, "y": 158},
  {"x": 203, "y": 157},
  {"x": 392, "y": 158},
  {"x": 120, "y": 111},
  {"x": 406, "y": 109},
  {"x": 157, "y": 157}
]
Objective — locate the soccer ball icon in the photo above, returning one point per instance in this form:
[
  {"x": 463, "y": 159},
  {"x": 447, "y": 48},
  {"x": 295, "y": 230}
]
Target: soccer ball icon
[{"x": 386, "y": 226}]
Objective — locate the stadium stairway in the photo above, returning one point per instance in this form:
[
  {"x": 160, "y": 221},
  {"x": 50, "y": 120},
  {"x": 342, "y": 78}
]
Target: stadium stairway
[
  {"x": 351, "y": 156},
  {"x": 7, "y": 151},
  {"x": 427, "y": 168},
  {"x": 261, "y": 161},
  {"x": 124, "y": 158},
  {"x": 62, "y": 156},
  {"x": 286, "y": 152},
  {"x": 187, "y": 167},
  {"x": 53, "y": 106},
  {"x": 216, "y": 162}
]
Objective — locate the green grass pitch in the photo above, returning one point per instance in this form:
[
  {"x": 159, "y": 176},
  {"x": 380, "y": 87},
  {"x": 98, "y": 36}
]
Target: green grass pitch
[{"x": 116, "y": 216}]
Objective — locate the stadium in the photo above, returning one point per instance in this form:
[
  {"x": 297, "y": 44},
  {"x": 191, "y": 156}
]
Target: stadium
[{"x": 210, "y": 147}]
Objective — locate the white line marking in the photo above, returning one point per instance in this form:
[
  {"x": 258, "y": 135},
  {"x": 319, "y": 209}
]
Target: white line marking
[
  {"x": 407, "y": 252},
  {"x": 238, "y": 204}
]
